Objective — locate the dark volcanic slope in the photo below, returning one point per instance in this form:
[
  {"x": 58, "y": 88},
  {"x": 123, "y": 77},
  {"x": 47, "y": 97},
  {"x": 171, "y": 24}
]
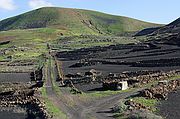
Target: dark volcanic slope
[
  {"x": 173, "y": 27},
  {"x": 146, "y": 31},
  {"x": 116, "y": 59}
]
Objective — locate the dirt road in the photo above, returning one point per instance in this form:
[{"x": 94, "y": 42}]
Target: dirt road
[
  {"x": 101, "y": 108},
  {"x": 97, "y": 109},
  {"x": 52, "y": 95}
]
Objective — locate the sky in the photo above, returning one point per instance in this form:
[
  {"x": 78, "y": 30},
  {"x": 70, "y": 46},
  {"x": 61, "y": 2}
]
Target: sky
[{"x": 156, "y": 11}]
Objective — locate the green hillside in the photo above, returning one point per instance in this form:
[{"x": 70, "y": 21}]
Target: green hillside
[
  {"x": 74, "y": 21},
  {"x": 65, "y": 29}
]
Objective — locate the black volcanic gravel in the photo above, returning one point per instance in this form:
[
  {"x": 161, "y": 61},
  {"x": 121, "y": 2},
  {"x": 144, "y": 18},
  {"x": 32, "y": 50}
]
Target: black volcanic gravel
[
  {"x": 13, "y": 113},
  {"x": 161, "y": 55},
  {"x": 170, "y": 109}
]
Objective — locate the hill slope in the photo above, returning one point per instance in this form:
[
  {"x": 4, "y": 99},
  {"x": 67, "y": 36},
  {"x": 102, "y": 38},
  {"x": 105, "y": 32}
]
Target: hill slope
[
  {"x": 75, "y": 21},
  {"x": 173, "y": 27}
]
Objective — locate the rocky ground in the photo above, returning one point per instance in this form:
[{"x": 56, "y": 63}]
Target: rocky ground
[
  {"x": 161, "y": 91},
  {"x": 18, "y": 99}
]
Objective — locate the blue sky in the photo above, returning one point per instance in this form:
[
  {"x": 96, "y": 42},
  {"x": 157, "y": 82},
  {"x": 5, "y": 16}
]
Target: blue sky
[{"x": 157, "y": 11}]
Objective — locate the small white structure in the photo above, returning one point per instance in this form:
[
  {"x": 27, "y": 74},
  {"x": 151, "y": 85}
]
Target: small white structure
[{"x": 123, "y": 85}]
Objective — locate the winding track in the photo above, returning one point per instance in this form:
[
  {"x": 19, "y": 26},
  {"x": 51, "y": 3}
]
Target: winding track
[
  {"x": 101, "y": 108},
  {"x": 97, "y": 109}
]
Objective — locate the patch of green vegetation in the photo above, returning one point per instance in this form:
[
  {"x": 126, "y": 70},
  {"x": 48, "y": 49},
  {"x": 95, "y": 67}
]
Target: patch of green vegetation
[
  {"x": 55, "y": 86},
  {"x": 174, "y": 77},
  {"x": 156, "y": 82},
  {"x": 2, "y": 58},
  {"x": 23, "y": 55},
  {"x": 119, "y": 116},
  {"x": 86, "y": 41},
  {"x": 101, "y": 94},
  {"x": 41, "y": 62},
  {"x": 146, "y": 102},
  {"x": 27, "y": 44},
  {"x": 121, "y": 109},
  {"x": 43, "y": 91},
  {"x": 47, "y": 30},
  {"x": 30, "y": 36},
  {"x": 90, "y": 116}
]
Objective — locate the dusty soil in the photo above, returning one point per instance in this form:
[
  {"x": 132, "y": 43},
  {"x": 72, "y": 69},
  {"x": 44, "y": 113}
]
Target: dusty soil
[
  {"x": 15, "y": 77},
  {"x": 13, "y": 113}
]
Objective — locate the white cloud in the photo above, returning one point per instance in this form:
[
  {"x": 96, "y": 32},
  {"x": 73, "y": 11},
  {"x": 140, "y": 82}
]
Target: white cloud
[
  {"x": 7, "y": 5},
  {"x": 34, "y": 4}
]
